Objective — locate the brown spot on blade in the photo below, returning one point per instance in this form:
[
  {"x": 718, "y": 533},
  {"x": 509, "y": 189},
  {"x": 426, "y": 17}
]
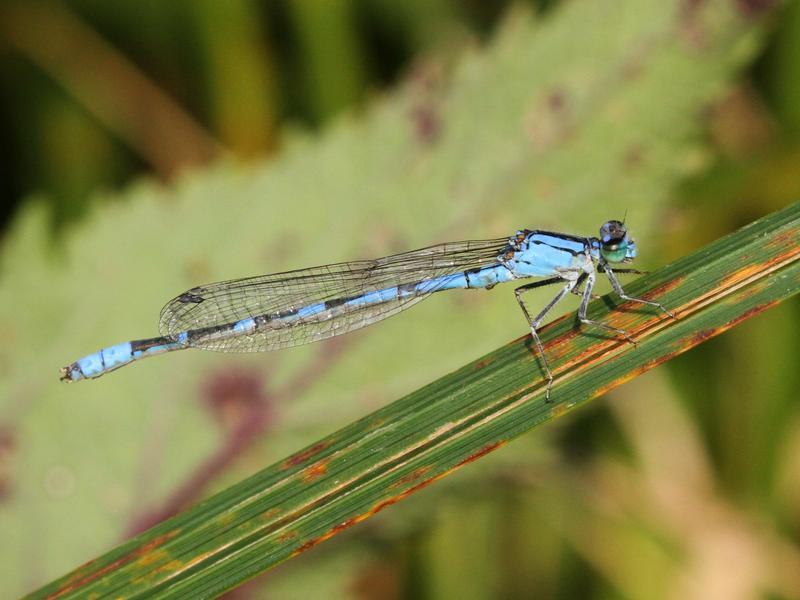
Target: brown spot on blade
[
  {"x": 85, "y": 575},
  {"x": 305, "y": 455},
  {"x": 315, "y": 471}
]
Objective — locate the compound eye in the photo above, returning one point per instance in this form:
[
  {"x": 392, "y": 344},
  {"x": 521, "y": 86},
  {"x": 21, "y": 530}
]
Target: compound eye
[{"x": 612, "y": 234}]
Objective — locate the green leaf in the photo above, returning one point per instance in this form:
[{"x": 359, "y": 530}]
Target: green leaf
[
  {"x": 366, "y": 467},
  {"x": 558, "y": 123}
]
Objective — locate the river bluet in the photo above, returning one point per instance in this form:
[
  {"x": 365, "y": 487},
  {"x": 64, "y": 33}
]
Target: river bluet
[{"x": 276, "y": 311}]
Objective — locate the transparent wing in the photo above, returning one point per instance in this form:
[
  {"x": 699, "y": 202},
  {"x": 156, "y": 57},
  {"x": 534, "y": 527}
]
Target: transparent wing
[{"x": 279, "y": 296}]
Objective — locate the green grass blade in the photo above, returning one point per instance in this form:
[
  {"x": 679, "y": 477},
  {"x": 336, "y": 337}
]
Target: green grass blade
[{"x": 384, "y": 457}]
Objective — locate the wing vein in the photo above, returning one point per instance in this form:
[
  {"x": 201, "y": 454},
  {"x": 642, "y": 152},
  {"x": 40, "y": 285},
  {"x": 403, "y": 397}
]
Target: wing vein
[{"x": 274, "y": 300}]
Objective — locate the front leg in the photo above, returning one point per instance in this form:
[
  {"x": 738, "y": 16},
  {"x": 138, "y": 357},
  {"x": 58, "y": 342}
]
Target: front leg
[{"x": 621, "y": 293}]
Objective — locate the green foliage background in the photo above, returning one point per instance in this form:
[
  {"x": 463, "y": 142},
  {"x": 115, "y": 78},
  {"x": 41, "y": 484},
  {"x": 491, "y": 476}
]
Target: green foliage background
[{"x": 685, "y": 114}]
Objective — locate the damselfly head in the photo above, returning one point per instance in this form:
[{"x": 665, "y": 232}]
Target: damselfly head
[{"x": 615, "y": 245}]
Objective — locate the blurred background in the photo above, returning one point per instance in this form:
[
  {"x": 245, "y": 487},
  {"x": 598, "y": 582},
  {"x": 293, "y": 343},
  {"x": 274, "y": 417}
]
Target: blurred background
[{"x": 146, "y": 147}]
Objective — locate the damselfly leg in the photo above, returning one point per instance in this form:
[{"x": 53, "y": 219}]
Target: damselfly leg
[
  {"x": 534, "y": 323},
  {"x": 612, "y": 277},
  {"x": 587, "y": 296}
]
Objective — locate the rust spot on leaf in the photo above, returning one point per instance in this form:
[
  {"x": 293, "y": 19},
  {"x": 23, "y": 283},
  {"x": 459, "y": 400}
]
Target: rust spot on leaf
[
  {"x": 327, "y": 535},
  {"x": 171, "y": 566},
  {"x": 81, "y": 578},
  {"x": 484, "y": 362},
  {"x": 785, "y": 239},
  {"x": 288, "y": 535},
  {"x": 344, "y": 525},
  {"x": 692, "y": 341},
  {"x": 153, "y": 557},
  {"x": 751, "y": 313},
  {"x": 559, "y": 410},
  {"x": 741, "y": 275},
  {"x": 315, "y": 471},
  {"x": 752, "y": 271},
  {"x": 225, "y": 518},
  {"x": 176, "y": 566},
  {"x": 411, "y": 477},
  {"x": 270, "y": 514},
  {"x": 701, "y": 336},
  {"x": 376, "y": 422},
  {"x": 375, "y": 509},
  {"x": 634, "y": 373},
  {"x": 305, "y": 455},
  {"x": 308, "y": 545},
  {"x": 404, "y": 494},
  {"x": 392, "y": 500},
  {"x": 482, "y": 452}
]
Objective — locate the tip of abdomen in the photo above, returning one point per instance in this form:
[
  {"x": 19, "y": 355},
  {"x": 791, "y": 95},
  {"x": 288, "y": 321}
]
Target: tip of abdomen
[
  {"x": 95, "y": 365},
  {"x": 71, "y": 373}
]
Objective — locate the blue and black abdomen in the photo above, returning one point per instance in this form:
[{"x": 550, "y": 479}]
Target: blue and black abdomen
[{"x": 119, "y": 355}]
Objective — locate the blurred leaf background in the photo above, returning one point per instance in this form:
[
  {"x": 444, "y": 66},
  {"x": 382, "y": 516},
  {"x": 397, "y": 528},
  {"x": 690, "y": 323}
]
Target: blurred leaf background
[{"x": 148, "y": 147}]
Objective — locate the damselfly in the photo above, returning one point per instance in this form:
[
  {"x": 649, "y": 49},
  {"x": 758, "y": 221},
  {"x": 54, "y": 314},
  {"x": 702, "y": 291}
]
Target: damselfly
[{"x": 270, "y": 312}]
